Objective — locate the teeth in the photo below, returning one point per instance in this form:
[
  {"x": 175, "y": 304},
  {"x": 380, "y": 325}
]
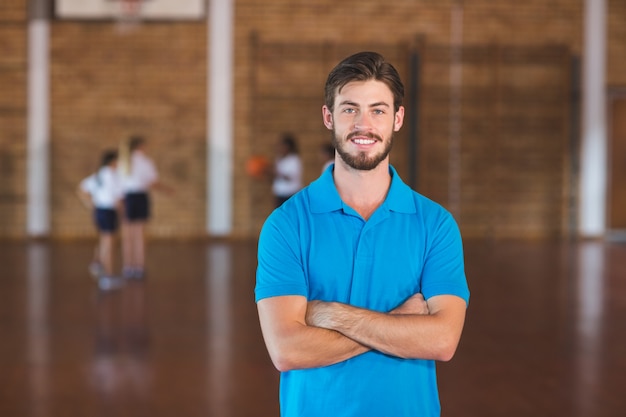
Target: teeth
[{"x": 364, "y": 141}]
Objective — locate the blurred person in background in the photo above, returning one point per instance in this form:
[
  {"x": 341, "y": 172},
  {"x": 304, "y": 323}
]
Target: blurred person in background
[
  {"x": 102, "y": 193},
  {"x": 139, "y": 176},
  {"x": 287, "y": 174},
  {"x": 327, "y": 155}
]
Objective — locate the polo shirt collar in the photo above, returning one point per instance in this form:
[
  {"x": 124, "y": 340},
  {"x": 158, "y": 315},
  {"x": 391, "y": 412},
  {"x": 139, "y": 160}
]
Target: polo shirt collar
[{"x": 324, "y": 196}]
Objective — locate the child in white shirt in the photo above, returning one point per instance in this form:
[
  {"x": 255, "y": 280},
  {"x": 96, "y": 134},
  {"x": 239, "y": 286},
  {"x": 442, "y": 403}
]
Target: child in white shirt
[{"x": 102, "y": 192}]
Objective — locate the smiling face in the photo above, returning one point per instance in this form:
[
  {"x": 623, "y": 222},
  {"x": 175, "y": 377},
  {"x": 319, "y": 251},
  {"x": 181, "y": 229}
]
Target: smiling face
[{"x": 363, "y": 121}]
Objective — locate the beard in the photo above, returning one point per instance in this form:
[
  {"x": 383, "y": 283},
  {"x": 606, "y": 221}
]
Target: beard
[{"x": 361, "y": 161}]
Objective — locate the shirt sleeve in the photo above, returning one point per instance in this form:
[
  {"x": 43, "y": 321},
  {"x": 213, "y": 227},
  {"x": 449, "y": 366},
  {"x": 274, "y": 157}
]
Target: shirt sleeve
[
  {"x": 151, "y": 174},
  {"x": 87, "y": 184},
  {"x": 280, "y": 269},
  {"x": 444, "y": 269}
]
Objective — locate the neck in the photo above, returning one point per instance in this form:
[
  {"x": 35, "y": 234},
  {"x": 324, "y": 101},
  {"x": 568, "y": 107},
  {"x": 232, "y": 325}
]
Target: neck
[{"x": 364, "y": 191}]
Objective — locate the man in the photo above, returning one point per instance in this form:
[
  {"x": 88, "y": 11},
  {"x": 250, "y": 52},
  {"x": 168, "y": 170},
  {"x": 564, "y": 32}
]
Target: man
[{"x": 360, "y": 280}]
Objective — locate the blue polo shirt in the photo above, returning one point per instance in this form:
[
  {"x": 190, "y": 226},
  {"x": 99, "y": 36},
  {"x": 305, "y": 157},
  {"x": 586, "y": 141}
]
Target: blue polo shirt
[{"x": 316, "y": 246}]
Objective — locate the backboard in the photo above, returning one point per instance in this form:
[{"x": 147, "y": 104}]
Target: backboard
[{"x": 138, "y": 9}]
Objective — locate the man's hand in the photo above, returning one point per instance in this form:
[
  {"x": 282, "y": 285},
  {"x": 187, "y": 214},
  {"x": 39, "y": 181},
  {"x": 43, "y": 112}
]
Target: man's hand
[{"x": 414, "y": 305}]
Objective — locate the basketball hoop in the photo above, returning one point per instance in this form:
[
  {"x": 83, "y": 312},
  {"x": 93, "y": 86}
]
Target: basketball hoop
[{"x": 128, "y": 13}]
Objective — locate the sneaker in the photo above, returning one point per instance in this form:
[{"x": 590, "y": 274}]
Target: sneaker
[
  {"x": 138, "y": 273},
  {"x": 133, "y": 273},
  {"x": 96, "y": 269},
  {"x": 109, "y": 283}
]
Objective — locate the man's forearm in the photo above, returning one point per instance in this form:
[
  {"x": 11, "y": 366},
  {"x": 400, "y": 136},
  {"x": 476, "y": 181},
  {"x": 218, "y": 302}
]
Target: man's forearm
[
  {"x": 325, "y": 347},
  {"x": 292, "y": 344},
  {"x": 361, "y": 325},
  {"x": 424, "y": 336}
]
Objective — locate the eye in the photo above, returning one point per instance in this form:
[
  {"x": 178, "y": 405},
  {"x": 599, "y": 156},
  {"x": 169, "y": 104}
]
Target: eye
[
  {"x": 349, "y": 110},
  {"x": 379, "y": 111}
]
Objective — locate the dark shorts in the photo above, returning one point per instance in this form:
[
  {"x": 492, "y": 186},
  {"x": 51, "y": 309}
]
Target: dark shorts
[
  {"x": 137, "y": 206},
  {"x": 106, "y": 220},
  {"x": 279, "y": 199}
]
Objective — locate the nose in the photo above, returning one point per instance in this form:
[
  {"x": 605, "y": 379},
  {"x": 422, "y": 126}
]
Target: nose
[{"x": 361, "y": 121}]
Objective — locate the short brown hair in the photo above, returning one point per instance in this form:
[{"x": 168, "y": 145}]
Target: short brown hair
[{"x": 363, "y": 66}]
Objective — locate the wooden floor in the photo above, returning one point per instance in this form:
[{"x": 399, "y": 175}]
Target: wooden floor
[{"x": 545, "y": 335}]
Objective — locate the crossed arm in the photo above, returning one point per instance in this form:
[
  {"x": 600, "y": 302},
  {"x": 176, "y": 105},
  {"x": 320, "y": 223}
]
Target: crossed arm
[{"x": 301, "y": 334}]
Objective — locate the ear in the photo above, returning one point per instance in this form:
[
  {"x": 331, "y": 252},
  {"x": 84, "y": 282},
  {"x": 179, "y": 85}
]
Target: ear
[
  {"x": 399, "y": 119},
  {"x": 327, "y": 117}
]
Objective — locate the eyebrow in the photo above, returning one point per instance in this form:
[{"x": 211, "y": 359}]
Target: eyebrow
[{"x": 352, "y": 103}]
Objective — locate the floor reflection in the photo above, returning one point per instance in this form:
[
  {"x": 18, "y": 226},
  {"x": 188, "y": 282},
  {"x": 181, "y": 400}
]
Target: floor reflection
[
  {"x": 38, "y": 279},
  {"x": 120, "y": 367},
  {"x": 218, "y": 284},
  {"x": 590, "y": 338}
]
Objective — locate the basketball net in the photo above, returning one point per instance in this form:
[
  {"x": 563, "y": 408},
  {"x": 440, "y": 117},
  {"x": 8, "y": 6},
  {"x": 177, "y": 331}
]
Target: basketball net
[{"x": 128, "y": 14}]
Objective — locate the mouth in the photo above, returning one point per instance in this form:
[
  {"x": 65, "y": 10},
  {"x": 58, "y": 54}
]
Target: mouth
[
  {"x": 361, "y": 138},
  {"x": 364, "y": 141}
]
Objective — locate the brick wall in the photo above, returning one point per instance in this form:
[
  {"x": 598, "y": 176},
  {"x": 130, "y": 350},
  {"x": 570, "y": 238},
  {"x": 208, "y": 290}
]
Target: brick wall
[
  {"x": 616, "y": 54},
  {"x": 107, "y": 84},
  {"x": 13, "y": 67}
]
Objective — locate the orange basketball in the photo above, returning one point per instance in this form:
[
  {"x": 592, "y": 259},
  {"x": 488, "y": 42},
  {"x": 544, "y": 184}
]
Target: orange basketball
[{"x": 257, "y": 166}]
